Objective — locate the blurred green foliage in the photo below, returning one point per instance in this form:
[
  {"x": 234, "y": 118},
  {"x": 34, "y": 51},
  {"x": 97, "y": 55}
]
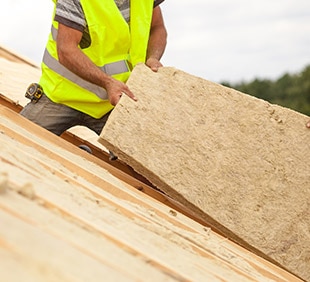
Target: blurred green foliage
[{"x": 290, "y": 90}]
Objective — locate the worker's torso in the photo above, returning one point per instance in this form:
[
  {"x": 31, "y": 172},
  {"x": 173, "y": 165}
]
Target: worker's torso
[{"x": 114, "y": 41}]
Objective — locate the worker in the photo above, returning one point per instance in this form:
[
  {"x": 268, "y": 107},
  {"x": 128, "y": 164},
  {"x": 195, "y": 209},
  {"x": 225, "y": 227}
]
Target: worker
[{"x": 91, "y": 50}]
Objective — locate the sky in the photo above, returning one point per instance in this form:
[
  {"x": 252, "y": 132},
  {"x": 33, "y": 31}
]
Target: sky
[{"x": 222, "y": 40}]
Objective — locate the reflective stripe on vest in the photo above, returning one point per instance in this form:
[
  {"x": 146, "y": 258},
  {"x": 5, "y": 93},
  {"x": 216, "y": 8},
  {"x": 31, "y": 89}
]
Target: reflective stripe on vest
[{"x": 110, "y": 69}]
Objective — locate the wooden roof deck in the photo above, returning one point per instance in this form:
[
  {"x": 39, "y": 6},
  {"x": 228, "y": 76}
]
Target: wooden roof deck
[{"x": 72, "y": 216}]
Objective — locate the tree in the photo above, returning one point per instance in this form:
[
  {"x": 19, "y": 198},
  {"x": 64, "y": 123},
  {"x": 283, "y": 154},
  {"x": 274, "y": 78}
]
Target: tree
[{"x": 290, "y": 90}]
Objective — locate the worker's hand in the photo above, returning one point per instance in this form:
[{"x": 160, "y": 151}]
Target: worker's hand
[
  {"x": 308, "y": 124},
  {"x": 153, "y": 64},
  {"x": 116, "y": 89}
]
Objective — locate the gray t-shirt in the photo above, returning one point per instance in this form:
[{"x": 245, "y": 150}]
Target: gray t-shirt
[{"x": 70, "y": 13}]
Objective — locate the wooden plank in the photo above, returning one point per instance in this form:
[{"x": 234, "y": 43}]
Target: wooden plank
[
  {"x": 13, "y": 57},
  {"x": 15, "y": 78},
  {"x": 152, "y": 244},
  {"x": 44, "y": 252},
  {"x": 10, "y": 104},
  {"x": 13, "y": 269},
  {"x": 67, "y": 196},
  {"x": 152, "y": 241},
  {"x": 92, "y": 244}
]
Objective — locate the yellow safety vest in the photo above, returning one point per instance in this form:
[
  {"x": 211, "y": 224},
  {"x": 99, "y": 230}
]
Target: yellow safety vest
[{"x": 115, "y": 46}]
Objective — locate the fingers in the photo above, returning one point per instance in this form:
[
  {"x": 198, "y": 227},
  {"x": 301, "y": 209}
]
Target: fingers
[
  {"x": 155, "y": 68},
  {"x": 308, "y": 124},
  {"x": 129, "y": 94},
  {"x": 153, "y": 64},
  {"x": 115, "y": 96}
]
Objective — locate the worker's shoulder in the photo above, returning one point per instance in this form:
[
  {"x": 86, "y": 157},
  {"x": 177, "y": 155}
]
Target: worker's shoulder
[{"x": 69, "y": 7}]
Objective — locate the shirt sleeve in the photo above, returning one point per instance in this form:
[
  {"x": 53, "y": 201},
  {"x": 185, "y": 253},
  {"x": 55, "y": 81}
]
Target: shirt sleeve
[
  {"x": 157, "y": 2},
  {"x": 70, "y": 13}
]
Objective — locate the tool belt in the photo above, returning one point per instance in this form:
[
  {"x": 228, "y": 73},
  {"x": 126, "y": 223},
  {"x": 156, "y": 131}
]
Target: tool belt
[{"x": 34, "y": 92}]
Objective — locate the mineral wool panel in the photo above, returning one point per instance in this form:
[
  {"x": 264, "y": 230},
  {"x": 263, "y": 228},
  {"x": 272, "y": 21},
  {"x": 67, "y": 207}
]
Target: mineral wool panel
[{"x": 238, "y": 161}]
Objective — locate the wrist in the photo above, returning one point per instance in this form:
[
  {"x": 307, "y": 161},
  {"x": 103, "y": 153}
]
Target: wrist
[{"x": 106, "y": 81}]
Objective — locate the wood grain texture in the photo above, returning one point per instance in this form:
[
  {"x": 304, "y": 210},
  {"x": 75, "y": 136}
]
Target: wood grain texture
[{"x": 64, "y": 217}]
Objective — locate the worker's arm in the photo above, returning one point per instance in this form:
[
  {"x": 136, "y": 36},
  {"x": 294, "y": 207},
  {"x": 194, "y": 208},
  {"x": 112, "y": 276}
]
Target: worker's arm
[
  {"x": 76, "y": 61},
  {"x": 157, "y": 41}
]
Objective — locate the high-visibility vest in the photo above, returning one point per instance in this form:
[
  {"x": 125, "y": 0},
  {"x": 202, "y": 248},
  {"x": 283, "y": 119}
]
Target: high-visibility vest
[{"x": 115, "y": 48}]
